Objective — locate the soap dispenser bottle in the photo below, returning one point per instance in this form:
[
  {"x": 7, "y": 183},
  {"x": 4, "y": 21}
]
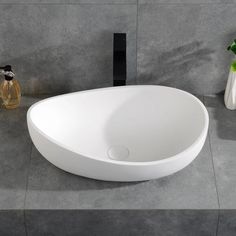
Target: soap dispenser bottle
[{"x": 10, "y": 91}]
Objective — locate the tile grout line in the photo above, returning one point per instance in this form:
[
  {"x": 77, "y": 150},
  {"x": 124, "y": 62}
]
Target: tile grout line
[
  {"x": 114, "y": 3},
  {"x": 26, "y": 188},
  {"x": 213, "y": 167},
  {"x": 137, "y": 4},
  {"x": 26, "y": 231},
  {"x": 218, "y": 220},
  {"x": 184, "y": 3},
  {"x": 217, "y": 192},
  {"x": 62, "y": 4}
]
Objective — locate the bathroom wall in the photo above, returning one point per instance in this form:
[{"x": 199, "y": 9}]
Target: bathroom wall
[{"x": 58, "y": 46}]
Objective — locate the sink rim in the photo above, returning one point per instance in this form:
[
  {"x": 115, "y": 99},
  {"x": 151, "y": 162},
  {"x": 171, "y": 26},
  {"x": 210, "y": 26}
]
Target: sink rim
[{"x": 123, "y": 162}]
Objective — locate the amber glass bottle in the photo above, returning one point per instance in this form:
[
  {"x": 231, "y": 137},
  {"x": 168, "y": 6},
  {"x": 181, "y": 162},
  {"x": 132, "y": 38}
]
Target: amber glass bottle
[{"x": 10, "y": 91}]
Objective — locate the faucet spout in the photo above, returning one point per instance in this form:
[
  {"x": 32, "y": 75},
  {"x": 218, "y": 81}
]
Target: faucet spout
[{"x": 119, "y": 59}]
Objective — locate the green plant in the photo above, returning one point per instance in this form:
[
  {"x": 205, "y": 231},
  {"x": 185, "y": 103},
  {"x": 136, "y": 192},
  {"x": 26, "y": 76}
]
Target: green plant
[
  {"x": 233, "y": 66},
  {"x": 232, "y": 47}
]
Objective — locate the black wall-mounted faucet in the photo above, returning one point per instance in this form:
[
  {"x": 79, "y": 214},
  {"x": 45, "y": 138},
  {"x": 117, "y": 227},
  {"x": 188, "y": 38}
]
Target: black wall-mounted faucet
[{"x": 119, "y": 59}]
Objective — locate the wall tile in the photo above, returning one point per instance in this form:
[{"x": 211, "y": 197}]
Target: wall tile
[
  {"x": 121, "y": 222},
  {"x": 12, "y": 223},
  {"x": 223, "y": 144},
  {"x": 15, "y": 152},
  {"x": 227, "y": 223},
  {"x": 184, "y": 45},
  {"x": 52, "y": 188},
  {"x": 63, "y": 48}
]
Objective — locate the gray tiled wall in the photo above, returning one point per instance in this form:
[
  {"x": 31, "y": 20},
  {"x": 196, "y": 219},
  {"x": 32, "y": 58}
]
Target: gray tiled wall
[
  {"x": 58, "y": 46},
  {"x": 184, "y": 45}
]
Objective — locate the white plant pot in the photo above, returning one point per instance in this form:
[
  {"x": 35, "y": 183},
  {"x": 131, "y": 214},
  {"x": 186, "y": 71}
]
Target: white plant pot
[{"x": 230, "y": 91}]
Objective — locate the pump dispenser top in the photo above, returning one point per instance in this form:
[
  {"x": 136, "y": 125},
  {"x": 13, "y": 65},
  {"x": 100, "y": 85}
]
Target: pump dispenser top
[{"x": 10, "y": 91}]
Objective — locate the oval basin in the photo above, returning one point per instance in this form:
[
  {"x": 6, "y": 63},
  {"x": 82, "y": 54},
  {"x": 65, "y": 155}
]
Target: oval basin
[{"x": 128, "y": 133}]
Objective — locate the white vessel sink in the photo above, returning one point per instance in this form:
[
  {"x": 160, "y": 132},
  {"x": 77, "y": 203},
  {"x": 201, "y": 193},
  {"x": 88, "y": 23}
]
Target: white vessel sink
[{"x": 128, "y": 133}]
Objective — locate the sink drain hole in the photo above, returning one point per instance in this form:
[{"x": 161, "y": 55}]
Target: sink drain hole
[{"x": 118, "y": 153}]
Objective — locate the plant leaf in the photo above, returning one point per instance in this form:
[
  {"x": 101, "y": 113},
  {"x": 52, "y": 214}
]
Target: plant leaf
[
  {"x": 233, "y": 48},
  {"x": 233, "y": 66}
]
